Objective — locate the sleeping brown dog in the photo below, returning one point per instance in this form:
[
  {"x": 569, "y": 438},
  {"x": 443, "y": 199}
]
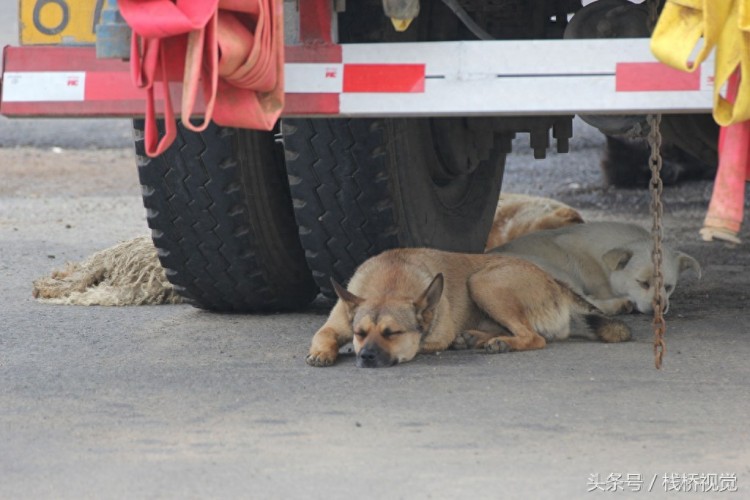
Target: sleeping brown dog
[{"x": 412, "y": 300}]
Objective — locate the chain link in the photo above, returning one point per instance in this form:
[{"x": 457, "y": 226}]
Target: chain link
[{"x": 657, "y": 232}]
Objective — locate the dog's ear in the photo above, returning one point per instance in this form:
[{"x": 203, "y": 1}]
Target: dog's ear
[
  {"x": 617, "y": 258},
  {"x": 426, "y": 303},
  {"x": 568, "y": 215},
  {"x": 351, "y": 300},
  {"x": 686, "y": 262}
]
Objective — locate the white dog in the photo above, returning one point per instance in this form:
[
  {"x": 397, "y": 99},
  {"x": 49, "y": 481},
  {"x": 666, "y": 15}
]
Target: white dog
[{"x": 607, "y": 262}]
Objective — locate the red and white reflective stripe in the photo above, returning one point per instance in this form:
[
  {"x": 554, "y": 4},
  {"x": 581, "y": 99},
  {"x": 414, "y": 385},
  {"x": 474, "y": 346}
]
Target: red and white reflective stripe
[
  {"x": 356, "y": 78},
  {"x": 416, "y": 79},
  {"x": 650, "y": 77}
]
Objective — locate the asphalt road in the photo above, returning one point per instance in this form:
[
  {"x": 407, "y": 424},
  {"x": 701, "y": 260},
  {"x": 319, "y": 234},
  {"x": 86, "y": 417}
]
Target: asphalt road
[{"x": 173, "y": 402}]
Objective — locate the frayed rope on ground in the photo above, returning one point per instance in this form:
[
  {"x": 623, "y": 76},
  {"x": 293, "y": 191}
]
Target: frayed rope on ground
[{"x": 128, "y": 273}]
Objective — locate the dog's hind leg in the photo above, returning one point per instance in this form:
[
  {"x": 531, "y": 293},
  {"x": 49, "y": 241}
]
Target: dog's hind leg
[
  {"x": 502, "y": 306},
  {"x": 510, "y": 292},
  {"x": 480, "y": 339},
  {"x": 524, "y": 337}
]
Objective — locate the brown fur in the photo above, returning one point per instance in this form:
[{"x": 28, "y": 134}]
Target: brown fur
[
  {"x": 519, "y": 214},
  {"x": 406, "y": 301}
]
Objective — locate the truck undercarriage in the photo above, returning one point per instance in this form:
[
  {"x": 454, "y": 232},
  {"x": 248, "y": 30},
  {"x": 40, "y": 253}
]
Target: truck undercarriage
[{"x": 248, "y": 220}]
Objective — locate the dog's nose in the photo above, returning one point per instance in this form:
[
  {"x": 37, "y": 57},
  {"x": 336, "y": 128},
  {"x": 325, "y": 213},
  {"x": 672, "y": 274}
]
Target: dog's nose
[
  {"x": 367, "y": 354},
  {"x": 372, "y": 357}
]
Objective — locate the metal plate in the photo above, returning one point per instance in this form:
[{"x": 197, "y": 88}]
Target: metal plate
[{"x": 59, "y": 22}]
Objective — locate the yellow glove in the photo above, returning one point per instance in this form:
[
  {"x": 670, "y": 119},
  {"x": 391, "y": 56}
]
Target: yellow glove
[{"x": 723, "y": 24}]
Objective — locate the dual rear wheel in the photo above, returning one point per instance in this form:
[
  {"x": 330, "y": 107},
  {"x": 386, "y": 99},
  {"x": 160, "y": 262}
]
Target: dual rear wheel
[
  {"x": 252, "y": 221},
  {"x": 244, "y": 221}
]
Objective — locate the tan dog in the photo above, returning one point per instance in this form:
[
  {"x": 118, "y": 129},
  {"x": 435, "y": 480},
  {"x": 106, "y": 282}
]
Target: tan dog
[
  {"x": 412, "y": 300},
  {"x": 519, "y": 214}
]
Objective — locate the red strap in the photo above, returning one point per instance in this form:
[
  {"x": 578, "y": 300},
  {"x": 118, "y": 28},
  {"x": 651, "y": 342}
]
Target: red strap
[
  {"x": 255, "y": 70},
  {"x": 237, "y": 54},
  {"x": 146, "y": 68},
  {"x": 254, "y": 60},
  {"x": 196, "y": 42},
  {"x": 165, "y": 18}
]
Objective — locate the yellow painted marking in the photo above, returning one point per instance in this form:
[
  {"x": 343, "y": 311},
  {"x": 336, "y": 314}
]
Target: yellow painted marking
[{"x": 58, "y": 22}]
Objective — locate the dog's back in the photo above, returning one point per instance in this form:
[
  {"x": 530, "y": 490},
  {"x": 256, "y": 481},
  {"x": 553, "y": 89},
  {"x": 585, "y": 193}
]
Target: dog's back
[
  {"x": 522, "y": 287},
  {"x": 589, "y": 237},
  {"x": 565, "y": 253},
  {"x": 573, "y": 254},
  {"x": 519, "y": 214}
]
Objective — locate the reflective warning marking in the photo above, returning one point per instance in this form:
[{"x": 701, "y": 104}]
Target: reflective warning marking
[
  {"x": 384, "y": 78},
  {"x": 44, "y": 86},
  {"x": 654, "y": 77}
]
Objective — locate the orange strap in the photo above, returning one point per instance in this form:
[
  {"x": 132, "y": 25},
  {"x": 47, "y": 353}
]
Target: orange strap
[{"x": 235, "y": 48}]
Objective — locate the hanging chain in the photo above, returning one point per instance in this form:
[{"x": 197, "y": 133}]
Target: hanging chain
[{"x": 657, "y": 211}]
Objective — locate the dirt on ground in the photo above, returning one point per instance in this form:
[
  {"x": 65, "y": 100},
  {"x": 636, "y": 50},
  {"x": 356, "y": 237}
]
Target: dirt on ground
[{"x": 54, "y": 171}]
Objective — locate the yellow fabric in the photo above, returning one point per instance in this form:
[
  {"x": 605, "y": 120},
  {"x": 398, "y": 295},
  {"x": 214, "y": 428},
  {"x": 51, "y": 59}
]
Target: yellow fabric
[{"x": 721, "y": 24}]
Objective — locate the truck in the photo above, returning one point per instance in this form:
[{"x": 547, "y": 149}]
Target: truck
[{"x": 398, "y": 118}]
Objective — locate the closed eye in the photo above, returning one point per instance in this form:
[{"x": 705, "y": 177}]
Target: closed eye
[
  {"x": 644, "y": 284},
  {"x": 390, "y": 333},
  {"x": 361, "y": 333}
]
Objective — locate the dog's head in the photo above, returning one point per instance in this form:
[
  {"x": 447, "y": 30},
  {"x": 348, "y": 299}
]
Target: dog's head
[
  {"x": 389, "y": 330},
  {"x": 632, "y": 274}
]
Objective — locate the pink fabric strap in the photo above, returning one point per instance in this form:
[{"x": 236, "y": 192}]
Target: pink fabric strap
[{"x": 234, "y": 49}]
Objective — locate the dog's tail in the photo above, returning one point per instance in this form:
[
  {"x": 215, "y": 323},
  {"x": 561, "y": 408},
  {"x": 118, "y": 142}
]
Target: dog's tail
[{"x": 605, "y": 328}]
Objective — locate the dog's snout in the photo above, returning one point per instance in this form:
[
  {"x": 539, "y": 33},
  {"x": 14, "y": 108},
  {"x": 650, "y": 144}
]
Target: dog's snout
[{"x": 371, "y": 356}]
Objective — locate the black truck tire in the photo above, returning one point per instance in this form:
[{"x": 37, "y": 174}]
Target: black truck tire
[
  {"x": 220, "y": 212},
  {"x": 361, "y": 186},
  {"x": 689, "y": 152}
]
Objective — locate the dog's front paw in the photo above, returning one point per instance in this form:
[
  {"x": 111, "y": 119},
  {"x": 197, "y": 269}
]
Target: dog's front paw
[
  {"x": 626, "y": 307},
  {"x": 476, "y": 339},
  {"x": 491, "y": 343},
  {"x": 614, "y": 306},
  {"x": 321, "y": 359},
  {"x": 496, "y": 346}
]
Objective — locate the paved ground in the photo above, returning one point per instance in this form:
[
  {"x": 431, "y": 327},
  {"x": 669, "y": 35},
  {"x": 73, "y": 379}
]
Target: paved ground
[{"x": 172, "y": 402}]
